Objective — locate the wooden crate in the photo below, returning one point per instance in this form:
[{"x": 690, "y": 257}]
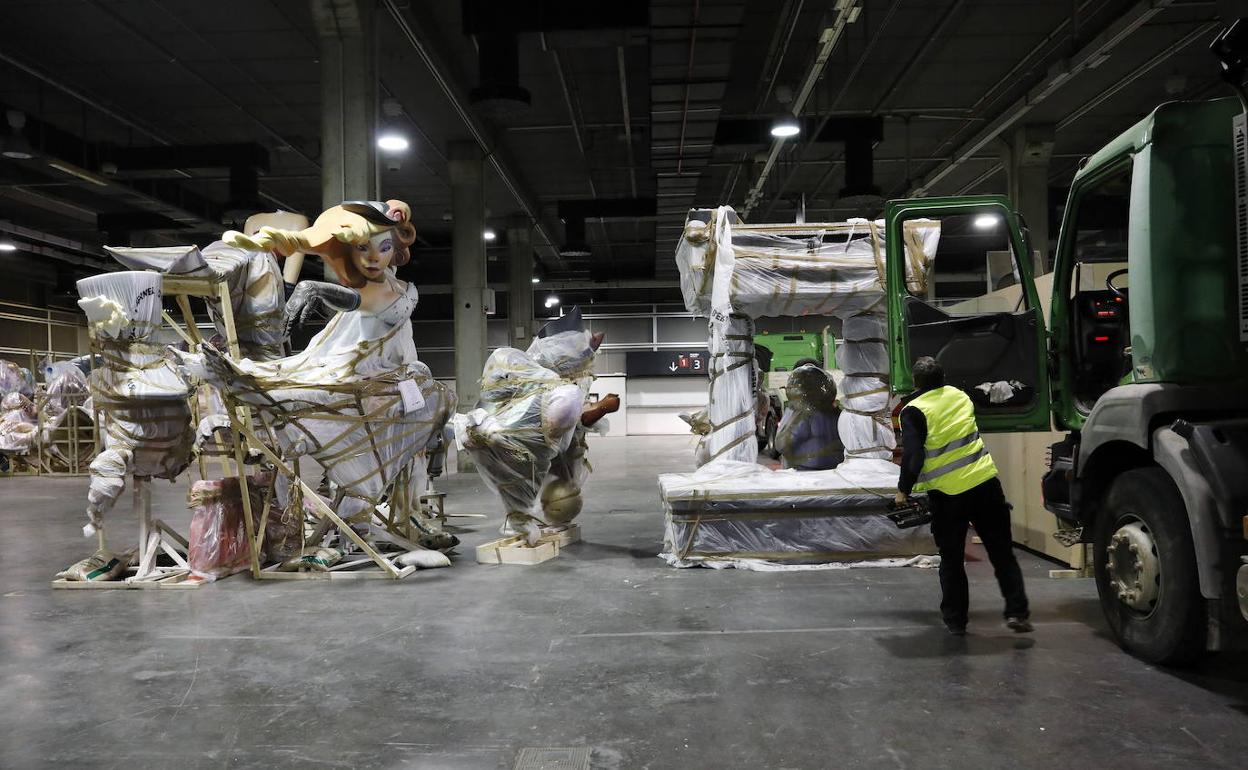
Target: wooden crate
[{"x": 511, "y": 550}]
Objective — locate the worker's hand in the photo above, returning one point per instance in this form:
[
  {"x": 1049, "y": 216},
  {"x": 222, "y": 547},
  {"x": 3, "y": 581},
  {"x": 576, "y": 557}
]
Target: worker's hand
[{"x": 901, "y": 498}]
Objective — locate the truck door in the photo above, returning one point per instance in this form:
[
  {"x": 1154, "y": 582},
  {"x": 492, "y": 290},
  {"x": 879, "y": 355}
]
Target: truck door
[{"x": 970, "y": 303}]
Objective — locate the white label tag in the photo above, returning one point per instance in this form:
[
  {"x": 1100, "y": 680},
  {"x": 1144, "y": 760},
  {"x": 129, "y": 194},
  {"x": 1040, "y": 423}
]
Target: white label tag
[{"x": 413, "y": 399}]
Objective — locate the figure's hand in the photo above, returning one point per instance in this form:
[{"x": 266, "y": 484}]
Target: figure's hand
[
  {"x": 316, "y": 299},
  {"x": 901, "y": 498},
  {"x": 610, "y": 403}
]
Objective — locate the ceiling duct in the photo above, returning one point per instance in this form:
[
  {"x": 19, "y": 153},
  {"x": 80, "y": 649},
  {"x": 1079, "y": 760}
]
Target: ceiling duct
[
  {"x": 860, "y": 136},
  {"x": 499, "y": 95},
  {"x": 574, "y": 213}
]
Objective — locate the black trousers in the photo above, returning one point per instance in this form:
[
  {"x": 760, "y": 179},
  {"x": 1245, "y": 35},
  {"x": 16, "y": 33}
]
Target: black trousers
[{"x": 985, "y": 507}]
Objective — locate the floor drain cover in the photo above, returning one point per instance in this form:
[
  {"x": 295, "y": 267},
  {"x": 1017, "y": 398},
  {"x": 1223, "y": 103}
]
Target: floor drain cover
[{"x": 553, "y": 759}]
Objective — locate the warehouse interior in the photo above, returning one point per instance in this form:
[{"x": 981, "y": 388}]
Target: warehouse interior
[{"x": 595, "y": 172}]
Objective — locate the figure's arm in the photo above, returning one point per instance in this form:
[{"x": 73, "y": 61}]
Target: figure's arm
[
  {"x": 603, "y": 407},
  {"x": 311, "y": 299}
]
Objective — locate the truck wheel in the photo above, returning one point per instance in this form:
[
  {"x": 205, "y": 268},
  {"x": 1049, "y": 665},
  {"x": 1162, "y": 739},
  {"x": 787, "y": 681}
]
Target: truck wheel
[{"x": 1146, "y": 569}]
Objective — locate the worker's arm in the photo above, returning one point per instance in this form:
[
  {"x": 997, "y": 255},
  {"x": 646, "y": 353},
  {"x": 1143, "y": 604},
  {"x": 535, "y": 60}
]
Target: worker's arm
[{"x": 913, "y": 436}]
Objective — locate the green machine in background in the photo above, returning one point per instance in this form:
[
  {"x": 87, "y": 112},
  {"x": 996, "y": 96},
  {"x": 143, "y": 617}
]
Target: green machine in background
[{"x": 788, "y": 349}]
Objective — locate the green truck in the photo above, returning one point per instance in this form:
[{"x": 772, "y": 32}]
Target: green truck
[{"x": 1144, "y": 367}]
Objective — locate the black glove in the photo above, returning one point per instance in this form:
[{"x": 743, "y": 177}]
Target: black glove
[{"x": 316, "y": 299}]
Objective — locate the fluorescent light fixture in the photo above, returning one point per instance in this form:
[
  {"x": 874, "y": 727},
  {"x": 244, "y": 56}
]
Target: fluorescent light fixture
[
  {"x": 392, "y": 143},
  {"x": 785, "y": 127},
  {"x": 536, "y": 279},
  {"x": 987, "y": 222},
  {"x": 488, "y": 234},
  {"x": 17, "y": 153},
  {"x": 6, "y": 246},
  {"x": 552, "y": 300},
  {"x": 83, "y": 175}
]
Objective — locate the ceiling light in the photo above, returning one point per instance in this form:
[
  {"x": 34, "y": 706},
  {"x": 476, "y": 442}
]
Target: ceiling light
[
  {"x": 488, "y": 234},
  {"x": 536, "y": 279},
  {"x": 552, "y": 300},
  {"x": 392, "y": 143},
  {"x": 786, "y": 127},
  {"x": 987, "y": 221},
  {"x": 6, "y": 246},
  {"x": 15, "y": 145}
]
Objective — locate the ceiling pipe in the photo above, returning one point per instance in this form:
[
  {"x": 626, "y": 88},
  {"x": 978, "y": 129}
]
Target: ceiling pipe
[
  {"x": 1088, "y": 57},
  {"x": 846, "y": 13},
  {"x": 459, "y": 103}
]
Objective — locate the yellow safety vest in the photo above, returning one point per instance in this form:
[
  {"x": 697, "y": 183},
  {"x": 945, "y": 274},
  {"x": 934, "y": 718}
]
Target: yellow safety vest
[{"x": 954, "y": 456}]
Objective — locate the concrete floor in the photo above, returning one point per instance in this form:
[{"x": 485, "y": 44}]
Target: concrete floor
[{"x": 605, "y": 647}]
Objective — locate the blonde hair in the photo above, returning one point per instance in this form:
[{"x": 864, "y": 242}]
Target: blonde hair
[{"x": 332, "y": 235}]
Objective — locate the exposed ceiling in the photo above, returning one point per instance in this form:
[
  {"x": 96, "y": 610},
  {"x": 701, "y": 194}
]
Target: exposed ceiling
[{"x": 638, "y": 111}]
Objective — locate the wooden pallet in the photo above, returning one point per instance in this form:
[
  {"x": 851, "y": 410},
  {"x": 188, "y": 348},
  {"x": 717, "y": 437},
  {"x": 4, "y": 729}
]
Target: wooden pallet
[{"x": 511, "y": 550}]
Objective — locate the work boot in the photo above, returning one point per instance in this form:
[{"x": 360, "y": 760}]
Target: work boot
[{"x": 956, "y": 629}]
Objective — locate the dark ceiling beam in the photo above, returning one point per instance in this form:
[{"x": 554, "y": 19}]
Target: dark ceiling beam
[
  {"x": 1089, "y": 56},
  {"x": 198, "y": 156},
  {"x": 418, "y": 35},
  {"x": 489, "y": 16}
]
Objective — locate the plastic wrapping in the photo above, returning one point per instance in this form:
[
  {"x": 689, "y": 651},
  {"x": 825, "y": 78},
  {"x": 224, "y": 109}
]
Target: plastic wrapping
[
  {"x": 733, "y": 383},
  {"x": 18, "y": 431},
  {"x": 218, "y": 538},
  {"x": 357, "y": 399},
  {"x": 15, "y": 379},
  {"x": 257, "y": 294},
  {"x": 836, "y": 268},
  {"x": 808, "y": 435},
  {"x": 146, "y": 419},
  {"x": 730, "y": 511},
  {"x": 526, "y": 436}
]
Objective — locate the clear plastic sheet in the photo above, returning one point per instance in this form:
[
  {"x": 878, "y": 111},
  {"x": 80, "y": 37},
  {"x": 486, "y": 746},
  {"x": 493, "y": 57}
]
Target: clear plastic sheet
[
  {"x": 733, "y": 511},
  {"x": 16, "y": 379},
  {"x": 526, "y": 436},
  {"x": 808, "y": 435},
  {"x": 357, "y": 399},
  {"x": 18, "y": 431},
  {"x": 218, "y": 538},
  {"x": 257, "y": 294},
  {"x": 146, "y": 419},
  {"x": 761, "y": 270}
]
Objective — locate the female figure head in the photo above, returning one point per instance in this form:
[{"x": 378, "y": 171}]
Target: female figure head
[{"x": 359, "y": 239}]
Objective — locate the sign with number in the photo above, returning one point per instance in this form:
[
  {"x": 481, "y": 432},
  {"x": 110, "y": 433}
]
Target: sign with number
[{"x": 647, "y": 363}]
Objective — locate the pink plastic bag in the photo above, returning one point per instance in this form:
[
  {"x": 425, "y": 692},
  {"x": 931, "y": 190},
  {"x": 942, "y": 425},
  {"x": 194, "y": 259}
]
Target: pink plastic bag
[{"x": 218, "y": 539}]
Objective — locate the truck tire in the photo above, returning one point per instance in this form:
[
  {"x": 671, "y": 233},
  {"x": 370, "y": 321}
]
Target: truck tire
[{"x": 1145, "y": 568}]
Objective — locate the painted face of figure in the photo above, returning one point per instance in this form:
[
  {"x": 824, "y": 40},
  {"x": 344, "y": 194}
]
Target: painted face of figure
[{"x": 372, "y": 258}]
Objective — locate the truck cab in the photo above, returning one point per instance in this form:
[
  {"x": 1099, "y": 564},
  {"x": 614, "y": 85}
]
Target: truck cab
[{"x": 1142, "y": 363}]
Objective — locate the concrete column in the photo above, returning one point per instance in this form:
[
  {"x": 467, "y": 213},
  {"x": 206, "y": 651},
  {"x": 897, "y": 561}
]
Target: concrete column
[
  {"x": 1026, "y": 153},
  {"x": 520, "y": 281},
  {"x": 468, "y": 263},
  {"x": 348, "y": 100}
]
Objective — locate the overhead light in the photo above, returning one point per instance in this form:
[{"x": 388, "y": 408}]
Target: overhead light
[
  {"x": 16, "y": 146},
  {"x": 552, "y": 300},
  {"x": 392, "y": 143},
  {"x": 786, "y": 127},
  {"x": 488, "y": 234},
  {"x": 987, "y": 222},
  {"x": 6, "y": 246},
  {"x": 536, "y": 279}
]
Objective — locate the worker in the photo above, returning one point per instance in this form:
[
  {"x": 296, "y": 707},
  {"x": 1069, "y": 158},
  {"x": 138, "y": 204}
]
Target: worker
[
  {"x": 944, "y": 455},
  {"x": 808, "y": 438}
]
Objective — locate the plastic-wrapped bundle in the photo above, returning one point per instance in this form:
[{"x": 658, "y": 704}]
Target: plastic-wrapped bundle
[
  {"x": 218, "y": 538},
  {"x": 257, "y": 295},
  {"x": 66, "y": 386},
  {"x": 357, "y": 400},
  {"x": 527, "y": 416},
  {"x": 730, "y": 513},
  {"x": 146, "y": 419},
  {"x": 732, "y": 405},
  {"x": 808, "y": 435},
  {"x": 18, "y": 430},
  {"x": 863, "y": 357},
  {"x": 15, "y": 379},
  {"x": 791, "y": 270}
]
